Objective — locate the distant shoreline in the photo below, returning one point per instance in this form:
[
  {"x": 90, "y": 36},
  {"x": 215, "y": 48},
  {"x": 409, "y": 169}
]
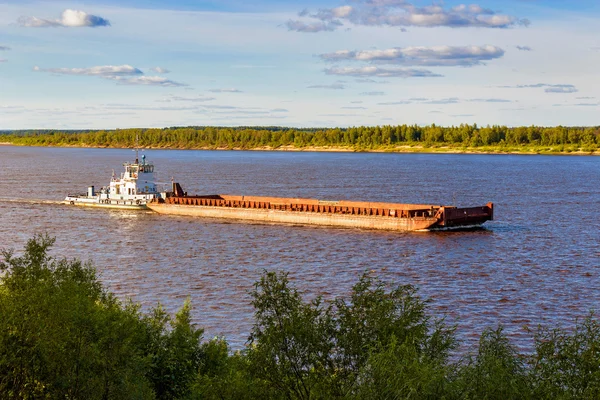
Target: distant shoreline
[{"x": 333, "y": 149}]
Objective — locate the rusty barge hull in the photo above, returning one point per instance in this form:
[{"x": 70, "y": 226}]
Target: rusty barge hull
[{"x": 348, "y": 214}]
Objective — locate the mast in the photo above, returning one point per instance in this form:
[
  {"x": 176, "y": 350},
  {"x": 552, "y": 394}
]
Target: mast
[{"x": 137, "y": 142}]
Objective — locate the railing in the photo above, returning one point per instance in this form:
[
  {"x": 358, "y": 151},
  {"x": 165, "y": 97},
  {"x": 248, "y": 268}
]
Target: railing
[{"x": 316, "y": 207}]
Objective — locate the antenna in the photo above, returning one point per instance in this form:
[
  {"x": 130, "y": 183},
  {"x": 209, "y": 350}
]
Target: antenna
[{"x": 137, "y": 142}]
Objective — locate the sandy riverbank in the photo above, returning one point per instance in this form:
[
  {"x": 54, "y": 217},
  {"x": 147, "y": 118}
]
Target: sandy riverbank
[{"x": 391, "y": 149}]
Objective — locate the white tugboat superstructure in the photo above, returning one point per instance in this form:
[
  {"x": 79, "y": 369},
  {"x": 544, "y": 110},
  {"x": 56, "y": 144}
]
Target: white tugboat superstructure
[{"x": 132, "y": 190}]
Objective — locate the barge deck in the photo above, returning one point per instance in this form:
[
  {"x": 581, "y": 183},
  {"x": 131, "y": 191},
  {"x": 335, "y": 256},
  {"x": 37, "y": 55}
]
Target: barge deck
[{"x": 351, "y": 214}]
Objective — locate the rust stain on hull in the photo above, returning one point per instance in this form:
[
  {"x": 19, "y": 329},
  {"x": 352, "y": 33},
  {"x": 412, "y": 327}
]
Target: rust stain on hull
[{"x": 351, "y": 214}]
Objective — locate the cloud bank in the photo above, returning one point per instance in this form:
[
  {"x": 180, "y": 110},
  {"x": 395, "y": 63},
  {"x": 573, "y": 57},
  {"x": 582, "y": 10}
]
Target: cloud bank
[
  {"x": 230, "y": 90},
  {"x": 102, "y": 71},
  {"x": 381, "y": 72},
  {"x": 68, "y": 19},
  {"x": 448, "y": 100},
  {"x": 333, "y": 86},
  {"x": 123, "y": 74},
  {"x": 401, "y": 13},
  {"x": 192, "y": 99},
  {"x": 160, "y": 70},
  {"x": 312, "y": 27},
  {"x": 4, "y": 48},
  {"x": 548, "y": 88},
  {"x": 446, "y": 56}
]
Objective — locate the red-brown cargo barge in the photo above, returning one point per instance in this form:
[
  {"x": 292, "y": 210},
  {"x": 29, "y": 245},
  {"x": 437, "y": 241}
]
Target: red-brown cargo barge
[{"x": 351, "y": 214}]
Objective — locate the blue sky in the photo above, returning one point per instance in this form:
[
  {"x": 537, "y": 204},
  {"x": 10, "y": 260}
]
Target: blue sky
[{"x": 130, "y": 63}]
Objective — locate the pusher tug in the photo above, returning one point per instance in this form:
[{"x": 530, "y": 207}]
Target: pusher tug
[{"x": 132, "y": 190}]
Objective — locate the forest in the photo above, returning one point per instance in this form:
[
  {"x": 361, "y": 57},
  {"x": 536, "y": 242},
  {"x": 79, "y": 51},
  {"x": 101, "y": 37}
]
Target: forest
[
  {"x": 63, "y": 335},
  {"x": 377, "y": 138}
]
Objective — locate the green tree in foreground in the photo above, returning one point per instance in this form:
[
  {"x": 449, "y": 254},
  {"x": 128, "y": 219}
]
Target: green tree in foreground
[
  {"x": 63, "y": 336},
  {"x": 496, "y": 372},
  {"x": 307, "y": 350},
  {"x": 567, "y": 365}
]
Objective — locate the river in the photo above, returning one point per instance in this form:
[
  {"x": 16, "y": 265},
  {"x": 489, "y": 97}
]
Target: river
[{"x": 538, "y": 262}]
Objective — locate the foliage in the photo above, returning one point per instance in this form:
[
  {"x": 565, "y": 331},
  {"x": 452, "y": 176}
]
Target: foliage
[
  {"x": 377, "y": 325},
  {"x": 173, "y": 346},
  {"x": 488, "y": 138},
  {"x": 567, "y": 366},
  {"x": 228, "y": 376},
  {"x": 63, "y": 336},
  {"x": 291, "y": 342},
  {"x": 496, "y": 372},
  {"x": 316, "y": 350}
]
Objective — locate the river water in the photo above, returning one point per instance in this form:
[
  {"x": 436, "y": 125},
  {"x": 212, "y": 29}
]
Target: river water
[{"x": 537, "y": 263}]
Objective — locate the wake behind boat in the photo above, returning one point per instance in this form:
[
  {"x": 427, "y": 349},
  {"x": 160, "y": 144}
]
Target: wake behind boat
[{"x": 132, "y": 190}]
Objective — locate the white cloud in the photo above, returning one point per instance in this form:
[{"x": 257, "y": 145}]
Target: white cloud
[
  {"x": 230, "y": 90},
  {"x": 69, "y": 19},
  {"x": 192, "y": 99},
  {"x": 548, "y": 88},
  {"x": 160, "y": 70},
  {"x": 369, "y": 80},
  {"x": 381, "y": 72},
  {"x": 448, "y": 100},
  {"x": 561, "y": 89},
  {"x": 400, "y": 13},
  {"x": 334, "y": 86},
  {"x": 421, "y": 56},
  {"x": 312, "y": 27},
  {"x": 106, "y": 71},
  {"x": 492, "y": 100},
  {"x": 123, "y": 74},
  {"x": 146, "y": 81},
  {"x": 394, "y": 103}
]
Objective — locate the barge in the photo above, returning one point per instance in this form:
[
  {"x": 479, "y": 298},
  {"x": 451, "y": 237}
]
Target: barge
[{"x": 349, "y": 214}]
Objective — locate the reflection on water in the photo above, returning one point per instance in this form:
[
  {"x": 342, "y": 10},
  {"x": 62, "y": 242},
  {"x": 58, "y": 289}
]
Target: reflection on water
[{"x": 538, "y": 262}]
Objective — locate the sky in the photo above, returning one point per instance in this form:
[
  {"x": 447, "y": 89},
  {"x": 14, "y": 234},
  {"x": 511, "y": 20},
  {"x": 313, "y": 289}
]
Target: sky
[{"x": 112, "y": 64}]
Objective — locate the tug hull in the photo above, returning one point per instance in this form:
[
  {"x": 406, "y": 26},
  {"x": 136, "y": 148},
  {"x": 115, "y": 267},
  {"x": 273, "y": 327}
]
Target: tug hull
[{"x": 95, "y": 202}]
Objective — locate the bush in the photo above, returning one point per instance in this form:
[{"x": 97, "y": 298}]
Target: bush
[
  {"x": 63, "y": 336},
  {"x": 343, "y": 349}
]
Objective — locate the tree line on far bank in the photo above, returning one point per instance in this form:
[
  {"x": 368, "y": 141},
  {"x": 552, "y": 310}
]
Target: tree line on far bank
[
  {"x": 62, "y": 335},
  {"x": 363, "y": 137}
]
